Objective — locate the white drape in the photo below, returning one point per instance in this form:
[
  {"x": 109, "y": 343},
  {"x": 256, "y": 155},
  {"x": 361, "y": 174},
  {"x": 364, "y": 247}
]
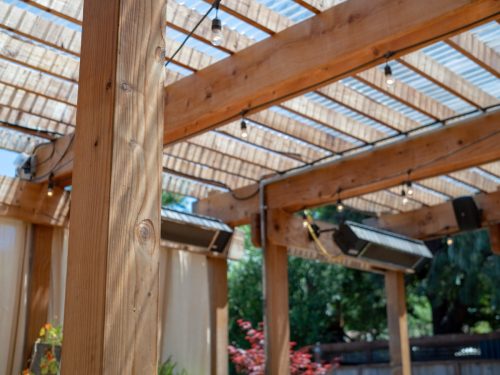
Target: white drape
[
  {"x": 14, "y": 268},
  {"x": 185, "y": 314},
  {"x": 58, "y": 265}
]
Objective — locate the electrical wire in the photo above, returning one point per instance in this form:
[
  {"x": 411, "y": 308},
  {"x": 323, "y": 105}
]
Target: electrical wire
[
  {"x": 318, "y": 243},
  {"x": 215, "y": 5}
]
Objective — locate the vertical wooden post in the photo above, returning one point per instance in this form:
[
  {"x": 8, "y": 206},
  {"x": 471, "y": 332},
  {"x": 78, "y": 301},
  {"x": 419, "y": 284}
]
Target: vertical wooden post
[
  {"x": 111, "y": 310},
  {"x": 399, "y": 343},
  {"x": 39, "y": 285},
  {"x": 494, "y": 231},
  {"x": 217, "y": 272},
  {"x": 276, "y": 318}
]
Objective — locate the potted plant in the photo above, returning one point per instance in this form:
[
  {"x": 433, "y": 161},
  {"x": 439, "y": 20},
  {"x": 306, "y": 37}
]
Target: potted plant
[{"x": 46, "y": 356}]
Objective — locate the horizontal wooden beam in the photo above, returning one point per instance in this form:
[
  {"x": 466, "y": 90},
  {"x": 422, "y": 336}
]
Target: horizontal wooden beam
[
  {"x": 438, "y": 221},
  {"x": 254, "y": 78},
  {"x": 463, "y": 145},
  {"x": 29, "y": 202}
]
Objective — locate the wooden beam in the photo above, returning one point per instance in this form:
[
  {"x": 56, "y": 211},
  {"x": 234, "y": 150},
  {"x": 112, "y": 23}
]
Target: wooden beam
[
  {"x": 111, "y": 311},
  {"x": 473, "y": 48},
  {"x": 466, "y": 144},
  {"x": 438, "y": 221},
  {"x": 219, "y": 318},
  {"x": 39, "y": 285},
  {"x": 276, "y": 318},
  {"x": 29, "y": 202},
  {"x": 494, "y": 232},
  {"x": 399, "y": 342},
  {"x": 360, "y": 41}
]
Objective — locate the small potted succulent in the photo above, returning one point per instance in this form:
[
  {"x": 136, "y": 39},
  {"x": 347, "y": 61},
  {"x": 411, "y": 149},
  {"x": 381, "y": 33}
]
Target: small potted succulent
[{"x": 46, "y": 356}]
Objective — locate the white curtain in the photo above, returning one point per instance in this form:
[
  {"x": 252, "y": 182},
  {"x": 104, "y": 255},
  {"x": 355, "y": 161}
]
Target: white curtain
[
  {"x": 14, "y": 268},
  {"x": 185, "y": 313},
  {"x": 58, "y": 265}
]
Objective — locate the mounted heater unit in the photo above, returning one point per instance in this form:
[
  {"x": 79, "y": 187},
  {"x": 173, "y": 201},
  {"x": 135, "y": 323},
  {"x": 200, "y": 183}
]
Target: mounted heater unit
[
  {"x": 362, "y": 241},
  {"x": 186, "y": 231}
]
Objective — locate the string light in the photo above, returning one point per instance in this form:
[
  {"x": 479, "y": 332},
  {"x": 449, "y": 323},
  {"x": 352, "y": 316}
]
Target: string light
[
  {"x": 244, "y": 129},
  {"x": 449, "y": 241},
  {"x": 409, "y": 191},
  {"x": 340, "y": 206},
  {"x": 389, "y": 78},
  {"x": 217, "y": 36},
  {"x": 405, "y": 198},
  {"x": 50, "y": 186}
]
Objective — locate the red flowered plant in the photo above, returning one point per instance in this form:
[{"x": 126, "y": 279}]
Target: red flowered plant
[{"x": 251, "y": 361}]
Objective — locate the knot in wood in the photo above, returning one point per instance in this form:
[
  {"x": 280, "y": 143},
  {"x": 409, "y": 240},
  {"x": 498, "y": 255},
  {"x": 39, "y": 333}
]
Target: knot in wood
[
  {"x": 125, "y": 86},
  {"x": 144, "y": 231}
]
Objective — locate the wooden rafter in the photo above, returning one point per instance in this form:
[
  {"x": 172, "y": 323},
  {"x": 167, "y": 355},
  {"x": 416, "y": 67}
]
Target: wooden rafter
[
  {"x": 233, "y": 96},
  {"x": 469, "y": 143}
]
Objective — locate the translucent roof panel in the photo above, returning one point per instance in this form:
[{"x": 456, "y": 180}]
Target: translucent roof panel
[
  {"x": 459, "y": 64},
  {"x": 289, "y": 9},
  {"x": 386, "y": 100},
  {"x": 429, "y": 88}
]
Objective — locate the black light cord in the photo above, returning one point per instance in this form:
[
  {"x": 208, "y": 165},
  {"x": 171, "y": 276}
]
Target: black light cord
[{"x": 215, "y": 5}]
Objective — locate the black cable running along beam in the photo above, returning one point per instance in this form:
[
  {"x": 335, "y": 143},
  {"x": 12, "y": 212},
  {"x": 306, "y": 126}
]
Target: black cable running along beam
[{"x": 215, "y": 5}]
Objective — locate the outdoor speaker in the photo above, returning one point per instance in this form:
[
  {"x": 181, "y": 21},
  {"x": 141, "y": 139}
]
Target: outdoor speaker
[
  {"x": 362, "y": 241},
  {"x": 194, "y": 232},
  {"x": 467, "y": 214}
]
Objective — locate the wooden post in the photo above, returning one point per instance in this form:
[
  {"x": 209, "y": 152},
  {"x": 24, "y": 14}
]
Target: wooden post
[
  {"x": 217, "y": 271},
  {"x": 494, "y": 231},
  {"x": 111, "y": 310},
  {"x": 39, "y": 285},
  {"x": 399, "y": 343},
  {"x": 276, "y": 319}
]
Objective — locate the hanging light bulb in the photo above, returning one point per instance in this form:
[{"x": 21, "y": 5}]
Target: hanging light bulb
[
  {"x": 244, "y": 129},
  {"x": 50, "y": 186},
  {"x": 409, "y": 192},
  {"x": 340, "y": 206},
  {"x": 389, "y": 79},
  {"x": 449, "y": 241},
  {"x": 217, "y": 36},
  {"x": 405, "y": 198}
]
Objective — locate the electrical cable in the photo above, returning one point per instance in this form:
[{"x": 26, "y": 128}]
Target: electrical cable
[
  {"x": 318, "y": 243},
  {"x": 215, "y": 5}
]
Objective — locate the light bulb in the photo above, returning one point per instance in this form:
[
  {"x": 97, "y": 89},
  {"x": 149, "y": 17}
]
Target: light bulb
[
  {"x": 403, "y": 194},
  {"x": 217, "y": 36},
  {"x": 50, "y": 186},
  {"x": 244, "y": 129},
  {"x": 449, "y": 241},
  {"x": 340, "y": 206},
  {"x": 389, "y": 79},
  {"x": 410, "y": 189},
  {"x": 50, "y": 191}
]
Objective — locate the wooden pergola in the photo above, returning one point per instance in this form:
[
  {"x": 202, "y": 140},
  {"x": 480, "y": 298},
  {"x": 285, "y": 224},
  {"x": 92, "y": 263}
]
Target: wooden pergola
[{"x": 84, "y": 89}]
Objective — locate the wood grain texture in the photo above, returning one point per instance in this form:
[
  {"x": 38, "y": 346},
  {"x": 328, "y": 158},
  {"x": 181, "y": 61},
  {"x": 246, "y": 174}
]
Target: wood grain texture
[
  {"x": 39, "y": 285},
  {"x": 219, "y": 318},
  {"x": 462, "y": 145},
  {"x": 111, "y": 312},
  {"x": 399, "y": 343},
  {"x": 361, "y": 32},
  {"x": 29, "y": 202},
  {"x": 276, "y": 318}
]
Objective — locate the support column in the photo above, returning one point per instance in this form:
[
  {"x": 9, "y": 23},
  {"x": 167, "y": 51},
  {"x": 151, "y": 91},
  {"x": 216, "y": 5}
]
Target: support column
[
  {"x": 276, "y": 318},
  {"x": 111, "y": 310},
  {"x": 39, "y": 285},
  {"x": 219, "y": 340},
  {"x": 399, "y": 344},
  {"x": 494, "y": 232}
]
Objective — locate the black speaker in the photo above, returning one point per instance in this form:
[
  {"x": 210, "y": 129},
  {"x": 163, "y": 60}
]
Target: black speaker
[
  {"x": 362, "y": 241},
  {"x": 467, "y": 214}
]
